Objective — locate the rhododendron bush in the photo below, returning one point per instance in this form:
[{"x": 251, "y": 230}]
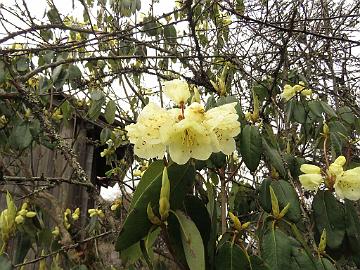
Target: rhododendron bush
[{"x": 200, "y": 135}]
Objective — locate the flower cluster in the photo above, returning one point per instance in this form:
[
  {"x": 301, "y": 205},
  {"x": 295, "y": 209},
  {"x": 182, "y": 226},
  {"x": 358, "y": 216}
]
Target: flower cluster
[
  {"x": 345, "y": 182},
  {"x": 116, "y": 204},
  {"x": 74, "y": 216},
  {"x": 24, "y": 213},
  {"x": 96, "y": 213},
  {"x": 185, "y": 133},
  {"x": 290, "y": 91}
]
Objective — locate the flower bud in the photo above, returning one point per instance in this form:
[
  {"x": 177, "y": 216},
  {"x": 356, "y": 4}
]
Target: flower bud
[
  {"x": 306, "y": 92},
  {"x": 341, "y": 160},
  {"x": 22, "y": 212},
  {"x": 30, "y": 214},
  {"x": 19, "y": 219},
  {"x": 177, "y": 90},
  {"x": 326, "y": 129},
  {"x": 310, "y": 169},
  {"x": 56, "y": 231},
  {"x": 164, "y": 204},
  {"x": 151, "y": 216},
  {"x": 236, "y": 221}
]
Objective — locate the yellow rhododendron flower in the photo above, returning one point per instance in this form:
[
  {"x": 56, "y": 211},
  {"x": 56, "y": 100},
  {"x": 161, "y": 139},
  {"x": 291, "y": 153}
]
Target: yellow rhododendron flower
[
  {"x": 187, "y": 139},
  {"x": 96, "y": 212},
  {"x": 76, "y": 214},
  {"x": 30, "y": 214},
  {"x": 145, "y": 134},
  {"x": 310, "y": 169},
  {"x": 288, "y": 92},
  {"x": 177, "y": 90},
  {"x": 223, "y": 122},
  {"x": 311, "y": 181},
  {"x": 312, "y": 178},
  {"x": 347, "y": 186},
  {"x": 336, "y": 168},
  {"x": 341, "y": 160},
  {"x": 56, "y": 231},
  {"x": 19, "y": 219},
  {"x": 306, "y": 92},
  {"x": 195, "y": 112}
]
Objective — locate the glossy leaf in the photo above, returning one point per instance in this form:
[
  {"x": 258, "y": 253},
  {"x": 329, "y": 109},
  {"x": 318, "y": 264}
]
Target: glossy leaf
[
  {"x": 5, "y": 263},
  {"x": 192, "y": 242},
  {"x": 110, "y": 111},
  {"x": 20, "y": 136},
  {"x": 251, "y": 147},
  {"x": 329, "y": 215},
  {"x": 285, "y": 194},
  {"x": 136, "y": 224},
  {"x": 353, "y": 229},
  {"x": 274, "y": 157},
  {"x": 276, "y": 249},
  {"x": 231, "y": 257}
]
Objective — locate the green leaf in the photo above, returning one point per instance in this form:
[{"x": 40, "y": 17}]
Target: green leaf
[
  {"x": 192, "y": 242},
  {"x": 97, "y": 101},
  {"x": 22, "y": 64},
  {"x": 198, "y": 213},
  {"x": 134, "y": 253},
  {"x": 261, "y": 90},
  {"x": 66, "y": 109},
  {"x": 80, "y": 267},
  {"x": 20, "y": 136},
  {"x": 276, "y": 250},
  {"x": 251, "y": 147},
  {"x": 346, "y": 114},
  {"x": 23, "y": 244},
  {"x": 56, "y": 73},
  {"x": 329, "y": 215},
  {"x": 258, "y": 264},
  {"x": 243, "y": 198},
  {"x": 300, "y": 259},
  {"x": 97, "y": 95},
  {"x": 231, "y": 257},
  {"x": 327, "y": 109},
  {"x": 136, "y": 224},
  {"x": 74, "y": 73},
  {"x": 299, "y": 113},
  {"x": 264, "y": 195},
  {"x": 285, "y": 194},
  {"x": 5, "y": 263},
  {"x": 170, "y": 33},
  {"x": 274, "y": 157},
  {"x": 105, "y": 134},
  {"x": 316, "y": 108},
  {"x": 352, "y": 228},
  {"x": 324, "y": 264},
  {"x": 110, "y": 111}
]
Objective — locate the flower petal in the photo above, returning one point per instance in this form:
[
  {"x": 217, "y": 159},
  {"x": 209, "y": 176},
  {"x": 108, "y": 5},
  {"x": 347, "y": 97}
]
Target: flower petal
[
  {"x": 311, "y": 181},
  {"x": 348, "y": 185},
  {"x": 309, "y": 168}
]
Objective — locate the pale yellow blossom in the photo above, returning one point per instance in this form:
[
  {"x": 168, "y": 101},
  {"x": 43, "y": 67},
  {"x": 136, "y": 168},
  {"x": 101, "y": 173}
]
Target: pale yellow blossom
[
  {"x": 347, "y": 186},
  {"x": 312, "y": 178},
  {"x": 177, "y": 90},
  {"x": 224, "y": 125},
  {"x": 288, "y": 92},
  {"x": 310, "y": 169},
  {"x": 311, "y": 181},
  {"x": 195, "y": 112},
  {"x": 187, "y": 139},
  {"x": 145, "y": 134}
]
